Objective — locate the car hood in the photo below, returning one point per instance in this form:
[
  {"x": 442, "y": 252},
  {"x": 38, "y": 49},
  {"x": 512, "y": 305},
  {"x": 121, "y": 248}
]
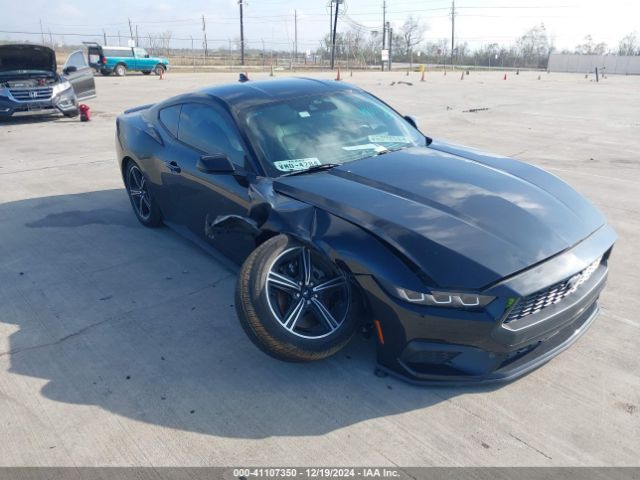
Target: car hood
[
  {"x": 27, "y": 57},
  {"x": 466, "y": 219}
]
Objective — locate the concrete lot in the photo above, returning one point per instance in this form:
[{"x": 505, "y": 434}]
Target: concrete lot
[{"x": 119, "y": 345}]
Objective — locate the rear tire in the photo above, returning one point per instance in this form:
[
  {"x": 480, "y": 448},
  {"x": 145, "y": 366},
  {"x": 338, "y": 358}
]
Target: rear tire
[
  {"x": 144, "y": 206},
  {"x": 281, "y": 310},
  {"x": 120, "y": 70},
  {"x": 105, "y": 72}
]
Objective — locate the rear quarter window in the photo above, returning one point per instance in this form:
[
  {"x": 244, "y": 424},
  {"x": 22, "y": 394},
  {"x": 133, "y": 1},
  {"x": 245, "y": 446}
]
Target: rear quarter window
[{"x": 169, "y": 117}]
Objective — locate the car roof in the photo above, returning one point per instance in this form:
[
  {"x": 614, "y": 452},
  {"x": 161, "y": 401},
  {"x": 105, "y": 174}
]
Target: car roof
[
  {"x": 242, "y": 95},
  {"x": 117, "y": 48}
]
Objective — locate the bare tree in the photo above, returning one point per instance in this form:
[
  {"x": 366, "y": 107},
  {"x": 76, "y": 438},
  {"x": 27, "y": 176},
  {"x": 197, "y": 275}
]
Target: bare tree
[
  {"x": 629, "y": 45},
  {"x": 412, "y": 31},
  {"x": 160, "y": 42},
  {"x": 589, "y": 47},
  {"x": 443, "y": 48},
  {"x": 165, "y": 40},
  {"x": 534, "y": 46}
]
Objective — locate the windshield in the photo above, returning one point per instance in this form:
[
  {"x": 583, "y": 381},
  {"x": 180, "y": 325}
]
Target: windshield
[{"x": 301, "y": 133}]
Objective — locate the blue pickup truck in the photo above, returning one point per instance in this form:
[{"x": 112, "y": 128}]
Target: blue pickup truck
[{"x": 120, "y": 60}]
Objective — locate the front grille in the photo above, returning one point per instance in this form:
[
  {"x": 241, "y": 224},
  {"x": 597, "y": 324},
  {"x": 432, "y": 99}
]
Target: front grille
[
  {"x": 551, "y": 295},
  {"x": 31, "y": 94}
]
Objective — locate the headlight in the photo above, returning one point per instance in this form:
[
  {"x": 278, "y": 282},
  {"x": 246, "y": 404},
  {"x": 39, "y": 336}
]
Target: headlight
[
  {"x": 444, "y": 299},
  {"x": 61, "y": 87}
]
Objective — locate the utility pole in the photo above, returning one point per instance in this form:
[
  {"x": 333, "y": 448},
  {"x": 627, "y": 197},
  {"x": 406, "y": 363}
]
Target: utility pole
[
  {"x": 118, "y": 37},
  {"x": 193, "y": 53},
  {"x": 384, "y": 30},
  {"x": 241, "y": 34},
  {"x": 104, "y": 36},
  {"x": 50, "y": 38},
  {"x": 204, "y": 34},
  {"x": 130, "y": 30},
  {"x": 295, "y": 43},
  {"x": 331, "y": 19},
  {"x": 390, "y": 30},
  {"x": 333, "y": 40},
  {"x": 137, "y": 40},
  {"x": 453, "y": 28},
  {"x": 41, "y": 31}
]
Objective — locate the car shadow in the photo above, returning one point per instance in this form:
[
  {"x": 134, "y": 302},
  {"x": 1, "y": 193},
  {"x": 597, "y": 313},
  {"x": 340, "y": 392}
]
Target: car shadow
[
  {"x": 141, "y": 323},
  {"x": 37, "y": 118}
]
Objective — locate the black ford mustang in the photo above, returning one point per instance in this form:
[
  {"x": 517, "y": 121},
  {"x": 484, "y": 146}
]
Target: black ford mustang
[{"x": 467, "y": 266}]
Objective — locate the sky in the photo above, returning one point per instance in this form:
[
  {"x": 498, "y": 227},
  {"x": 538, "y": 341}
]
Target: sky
[{"x": 272, "y": 21}]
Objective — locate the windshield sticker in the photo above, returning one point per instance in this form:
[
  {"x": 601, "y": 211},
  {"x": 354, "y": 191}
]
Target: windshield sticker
[
  {"x": 296, "y": 164},
  {"x": 304, "y": 114},
  {"x": 366, "y": 146},
  {"x": 389, "y": 139}
]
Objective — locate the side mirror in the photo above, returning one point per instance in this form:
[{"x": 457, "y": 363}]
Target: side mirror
[
  {"x": 412, "y": 120},
  {"x": 70, "y": 69},
  {"x": 146, "y": 56},
  {"x": 216, "y": 163}
]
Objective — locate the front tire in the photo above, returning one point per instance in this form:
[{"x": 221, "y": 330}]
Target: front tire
[
  {"x": 144, "y": 206},
  {"x": 159, "y": 69},
  {"x": 293, "y": 302}
]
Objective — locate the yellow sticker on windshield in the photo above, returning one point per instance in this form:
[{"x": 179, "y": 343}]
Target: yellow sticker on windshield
[{"x": 296, "y": 164}]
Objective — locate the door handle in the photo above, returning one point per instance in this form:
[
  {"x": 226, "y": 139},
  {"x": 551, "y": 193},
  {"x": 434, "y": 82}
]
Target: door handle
[{"x": 174, "y": 167}]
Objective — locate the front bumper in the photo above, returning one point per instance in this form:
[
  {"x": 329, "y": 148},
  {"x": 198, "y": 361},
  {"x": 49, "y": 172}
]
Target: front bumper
[
  {"x": 439, "y": 346},
  {"x": 64, "y": 102}
]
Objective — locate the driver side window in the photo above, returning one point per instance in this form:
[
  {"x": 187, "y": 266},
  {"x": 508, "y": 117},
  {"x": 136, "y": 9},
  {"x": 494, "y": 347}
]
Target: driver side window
[{"x": 207, "y": 130}]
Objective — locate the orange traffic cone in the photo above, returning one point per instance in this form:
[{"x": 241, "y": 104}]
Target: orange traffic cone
[
  {"x": 161, "y": 73},
  {"x": 338, "y": 78},
  {"x": 505, "y": 76}
]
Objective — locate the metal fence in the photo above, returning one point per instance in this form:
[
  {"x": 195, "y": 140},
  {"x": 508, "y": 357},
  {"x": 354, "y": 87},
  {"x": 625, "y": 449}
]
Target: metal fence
[{"x": 610, "y": 64}]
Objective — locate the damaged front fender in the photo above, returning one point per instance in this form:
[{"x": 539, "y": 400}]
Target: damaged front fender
[{"x": 348, "y": 245}]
